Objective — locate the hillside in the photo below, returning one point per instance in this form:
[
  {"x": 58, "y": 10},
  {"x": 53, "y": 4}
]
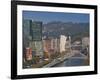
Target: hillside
[{"x": 57, "y": 28}]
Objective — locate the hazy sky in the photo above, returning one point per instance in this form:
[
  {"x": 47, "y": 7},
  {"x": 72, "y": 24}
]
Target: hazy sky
[{"x": 46, "y": 17}]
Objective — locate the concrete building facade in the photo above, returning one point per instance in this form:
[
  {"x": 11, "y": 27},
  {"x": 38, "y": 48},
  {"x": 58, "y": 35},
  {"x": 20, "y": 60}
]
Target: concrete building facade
[{"x": 62, "y": 43}]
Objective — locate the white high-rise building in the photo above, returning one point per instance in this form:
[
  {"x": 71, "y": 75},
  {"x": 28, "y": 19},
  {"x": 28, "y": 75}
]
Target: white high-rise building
[{"x": 62, "y": 43}]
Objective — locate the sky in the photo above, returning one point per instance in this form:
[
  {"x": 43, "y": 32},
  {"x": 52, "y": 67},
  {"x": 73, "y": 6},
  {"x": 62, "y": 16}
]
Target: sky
[{"x": 46, "y": 17}]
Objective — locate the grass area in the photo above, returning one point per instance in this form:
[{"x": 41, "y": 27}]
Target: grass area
[{"x": 40, "y": 64}]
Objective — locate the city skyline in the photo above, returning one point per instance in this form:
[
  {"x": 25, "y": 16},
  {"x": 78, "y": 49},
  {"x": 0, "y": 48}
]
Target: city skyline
[
  {"x": 48, "y": 39},
  {"x": 47, "y": 17}
]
